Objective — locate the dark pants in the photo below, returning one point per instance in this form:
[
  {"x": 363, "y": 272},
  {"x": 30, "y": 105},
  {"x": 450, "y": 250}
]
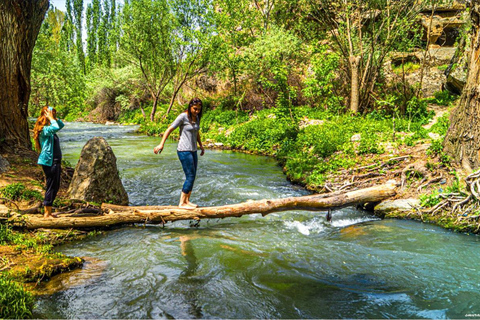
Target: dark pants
[
  {"x": 53, "y": 182},
  {"x": 189, "y": 160}
]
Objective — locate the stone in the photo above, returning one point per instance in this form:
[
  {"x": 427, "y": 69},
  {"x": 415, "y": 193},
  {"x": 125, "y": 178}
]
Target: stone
[
  {"x": 399, "y": 205},
  {"x": 457, "y": 77},
  {"x": 4, "y": 165},
  {"x": 96, "y": 175},
  {"x": 434, "y": 136},
  {"x": 4, "y": 211},
  {"x": 356, "y": 137},
  {"x": 305, "y": 122},
  {"x": 441, "y": 56}
]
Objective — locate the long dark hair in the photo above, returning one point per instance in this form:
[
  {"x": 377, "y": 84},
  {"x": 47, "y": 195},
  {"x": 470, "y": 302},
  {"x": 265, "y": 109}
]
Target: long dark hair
[{"x": 195, "y": 102}]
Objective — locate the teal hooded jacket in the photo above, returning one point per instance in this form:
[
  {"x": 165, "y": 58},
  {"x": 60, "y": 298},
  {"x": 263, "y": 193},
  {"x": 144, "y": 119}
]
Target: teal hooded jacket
[{"x": 46, "y": 142}]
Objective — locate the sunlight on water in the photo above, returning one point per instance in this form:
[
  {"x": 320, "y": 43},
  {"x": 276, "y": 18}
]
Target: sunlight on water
[{"x": 285, "y": 265}]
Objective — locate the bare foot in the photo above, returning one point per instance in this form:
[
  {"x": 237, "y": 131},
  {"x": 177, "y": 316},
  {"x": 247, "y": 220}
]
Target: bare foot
[
  {"x": 192, "y": 204},
  {"x": 53, "y": 215},
  {"x": 185, "y": 206}
]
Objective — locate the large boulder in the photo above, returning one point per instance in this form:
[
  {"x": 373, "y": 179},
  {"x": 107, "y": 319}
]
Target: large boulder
[{"x": 96, "y": 175}]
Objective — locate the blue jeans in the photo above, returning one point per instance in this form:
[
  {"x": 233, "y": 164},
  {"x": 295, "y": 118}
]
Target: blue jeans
[{"x": 189, "y": 160}]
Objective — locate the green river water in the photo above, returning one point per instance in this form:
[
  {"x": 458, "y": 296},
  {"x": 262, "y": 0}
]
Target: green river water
[{"x": 284, "y": 265}]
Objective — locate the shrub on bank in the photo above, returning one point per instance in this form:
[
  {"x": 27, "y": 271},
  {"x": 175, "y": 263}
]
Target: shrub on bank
[{"x": 17, "y": 191}]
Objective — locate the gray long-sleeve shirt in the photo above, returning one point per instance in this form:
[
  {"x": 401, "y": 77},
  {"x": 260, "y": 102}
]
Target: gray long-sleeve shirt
[{"x": 188, "y": 132}]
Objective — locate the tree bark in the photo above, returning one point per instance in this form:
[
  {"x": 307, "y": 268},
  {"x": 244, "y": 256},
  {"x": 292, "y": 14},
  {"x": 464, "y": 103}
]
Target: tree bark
[
  {"x": 355, "y": 93},
  {"x": 462, "y": 140},
  {"x": 120, "y": 215},
  {"x": 20, "y": 23},
  {"x": 154, "y": 108}
]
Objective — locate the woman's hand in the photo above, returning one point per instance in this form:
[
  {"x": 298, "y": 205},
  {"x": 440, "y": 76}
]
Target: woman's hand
[
  {"x": 49, "y": 114},
  {"x": 158, "y": 149},
  {"x": 203, "y": 151}
]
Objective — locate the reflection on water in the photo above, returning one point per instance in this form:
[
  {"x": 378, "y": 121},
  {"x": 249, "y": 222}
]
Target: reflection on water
[{"x": 284, "y": 265}]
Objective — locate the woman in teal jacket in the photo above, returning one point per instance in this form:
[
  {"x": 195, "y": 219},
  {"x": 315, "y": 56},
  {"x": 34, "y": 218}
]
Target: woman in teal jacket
[{"x": 47, "y": 142}]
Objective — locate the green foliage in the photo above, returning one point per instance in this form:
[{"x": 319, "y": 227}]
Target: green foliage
[
  {"x": 369, "y": 144},
  {"x": 417, "y": 110},
  {"x": 269, "y": 60},
  {"x": 15, "y": 301},
  {"x": 435, "y": 148},
  {"x": 6, "y": 234},
  {"x": 321, "y": 87},
  {"x": 17, "y": 191},
  {"x": 222, "y": 118},
  {"x": 57, "y": 79},
  {"x": 429, "y": 200},
  {"x": 365, "y": 43},
  {"x": 444, "y": 98},
  {"x": 407, "y": 67},
  {"x": 442, "y": 124},
  {"x": 322, "y": 140},
  {"x": 443, "y": 67},
  {"x": 264, "y": 135}
]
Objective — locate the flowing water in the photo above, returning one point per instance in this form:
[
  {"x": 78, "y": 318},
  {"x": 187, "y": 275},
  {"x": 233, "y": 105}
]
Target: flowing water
[{"x": 284, "y": 265}]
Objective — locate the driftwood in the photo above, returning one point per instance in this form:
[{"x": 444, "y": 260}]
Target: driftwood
[{"x": 119, "y": 215}]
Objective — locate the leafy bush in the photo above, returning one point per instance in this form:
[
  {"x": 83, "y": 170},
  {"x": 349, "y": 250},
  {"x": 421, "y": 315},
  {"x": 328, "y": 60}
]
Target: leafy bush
[
  {"x": 15, "y": 301},
  {"x": 321, "y": 84},
  {"x": 264, "y": 135},
  {"x": 443, "y": 98},
  {"x": 429, "y": 200},
  {"x": 370, "y": 144},
  {"x": 442, "y": 124},
  {"x": 6, "y": 235},
  {"x": 322, "y": 140},
  {"x": 435, "y": 148},
  {"x": 17, "y": 191},
  {"x": 222, "y": 118}
]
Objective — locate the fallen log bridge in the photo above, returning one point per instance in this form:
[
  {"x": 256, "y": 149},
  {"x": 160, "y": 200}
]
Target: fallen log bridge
[{"x": 114, "y": 215}]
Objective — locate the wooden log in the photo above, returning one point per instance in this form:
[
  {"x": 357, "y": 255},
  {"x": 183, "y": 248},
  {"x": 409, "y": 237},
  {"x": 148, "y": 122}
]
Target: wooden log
[{"x": 120, "y": 215}]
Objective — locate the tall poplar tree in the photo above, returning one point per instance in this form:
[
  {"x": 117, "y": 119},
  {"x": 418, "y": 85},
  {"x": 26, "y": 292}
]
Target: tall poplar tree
[
  {"x": 93, "y": 22},
  {"x": 103, "y": 35},
  {"x": 78, "y": 15}
]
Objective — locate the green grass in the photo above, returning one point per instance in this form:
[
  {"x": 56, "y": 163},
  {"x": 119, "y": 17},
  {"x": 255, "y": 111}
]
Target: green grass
[
  {"x": 407, "y": 67},
  {"x": 18, "y": 191},
  {"x": 15, "y": 301}
]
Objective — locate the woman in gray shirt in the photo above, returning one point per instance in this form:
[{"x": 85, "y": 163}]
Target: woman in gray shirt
[{"x": 189, "y": 123}]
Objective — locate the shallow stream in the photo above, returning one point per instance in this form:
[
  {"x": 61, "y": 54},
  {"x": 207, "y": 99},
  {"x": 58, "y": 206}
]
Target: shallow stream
[{"x": 284, "y": 265}]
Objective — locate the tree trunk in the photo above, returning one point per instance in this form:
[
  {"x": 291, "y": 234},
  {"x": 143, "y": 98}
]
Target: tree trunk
[
  {"x": 120, "y": 215},
  {"x": 462, "y": 140},
  {"x": 154, "y": 108},
  {"x": 20, "y": 23},
  {"x": 355, "y": 93}
]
